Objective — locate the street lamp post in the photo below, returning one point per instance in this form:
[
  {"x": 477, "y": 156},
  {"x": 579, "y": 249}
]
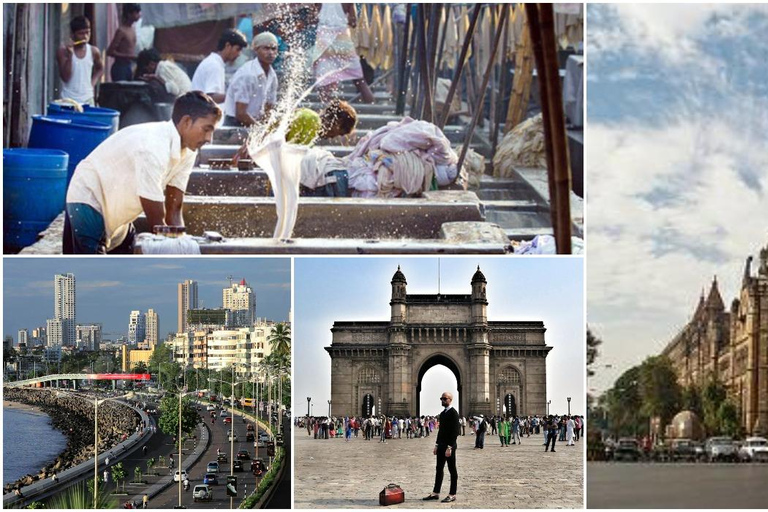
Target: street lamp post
[
  {"x": 569, "y": 406},
  {"x": 329, "y": 408},
  {"x": 309, "y": 400},
  {"x": 548, "y": 403}
]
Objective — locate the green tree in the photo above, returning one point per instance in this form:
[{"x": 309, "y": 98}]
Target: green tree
[
  {"x": 140, "y": 367},
  {"x": 280, "y": 339},
  {"x": 137, "y": 474},
  {"x": 623, "y": 403},
  {"x": 169, "y": 419},
  {"x": 728, "y": 419},
  {"x": 691, "y": 400},
  {"x": 80, "y": 496},
  {"x": 118, "y": 475},
  {"x": 592, "y": 343},
  {"x": 712, "y": 397},
  {"x": 659, "y": 389}
]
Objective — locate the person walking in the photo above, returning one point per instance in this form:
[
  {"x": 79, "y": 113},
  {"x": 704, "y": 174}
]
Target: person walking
[
  {"x": 551, "y": 434},
  {"x": 516, "y": 431},
  {"x": 145, "y": 501},
  {"x": 445, "y": 449},
  {"x": 482, "y": 427},
  {"x": 569, "y": 425}
]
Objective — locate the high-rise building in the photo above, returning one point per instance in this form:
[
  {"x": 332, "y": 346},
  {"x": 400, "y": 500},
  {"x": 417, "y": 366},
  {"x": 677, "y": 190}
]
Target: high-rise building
[
  {"x": 64, "y": 308},
  {"x": 89, "y": 336},
  {"x": 241, "y": 300},
  {"x": 152, "y": 328},
  {"x": 55, "y": 330},
  {"x": 187, "y": 299},
  {"x": 136, "y": 328},
  {"x": 23, "y": 336},
  {"x": 39, "y": 336}
]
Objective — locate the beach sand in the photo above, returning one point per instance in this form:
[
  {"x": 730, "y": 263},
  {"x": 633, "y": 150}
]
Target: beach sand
[{"x": 22, "y": 407}]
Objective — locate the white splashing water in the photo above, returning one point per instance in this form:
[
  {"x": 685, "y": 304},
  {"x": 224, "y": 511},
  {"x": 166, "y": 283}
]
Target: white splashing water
[{"x": 266, "y": 141}]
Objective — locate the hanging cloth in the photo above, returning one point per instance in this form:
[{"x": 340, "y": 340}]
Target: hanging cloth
[
  {"x": 376, "y": 37},
  {"x": 363, "y": 34},
  {"x": 387, "y": 40}
]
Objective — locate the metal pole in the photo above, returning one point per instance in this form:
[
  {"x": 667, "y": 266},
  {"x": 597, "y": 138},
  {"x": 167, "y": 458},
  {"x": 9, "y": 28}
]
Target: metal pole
[
  {"x": 96, "y": 453},
  {"x": 486, "y": 77},
  {"x": 462, "y": 59},
  {"x": 232, "y": 434},
  {"x": 179, "y": 440},
  {"x": 402, "y": 85}
]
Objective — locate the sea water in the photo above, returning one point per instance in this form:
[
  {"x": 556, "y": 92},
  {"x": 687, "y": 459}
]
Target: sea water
[{"x": 29, "y": 442}]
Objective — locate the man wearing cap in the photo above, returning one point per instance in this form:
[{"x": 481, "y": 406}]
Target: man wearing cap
[
  {"x": 253, "y": 90},
  {"x": 445, "y": 449}
]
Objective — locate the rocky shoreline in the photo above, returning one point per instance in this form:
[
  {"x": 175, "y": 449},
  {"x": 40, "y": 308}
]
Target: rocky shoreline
[{"x": 73, "y": 416}]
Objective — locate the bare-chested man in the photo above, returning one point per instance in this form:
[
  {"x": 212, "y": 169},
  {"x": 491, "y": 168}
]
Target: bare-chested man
[{"x": 123, "y": 45}]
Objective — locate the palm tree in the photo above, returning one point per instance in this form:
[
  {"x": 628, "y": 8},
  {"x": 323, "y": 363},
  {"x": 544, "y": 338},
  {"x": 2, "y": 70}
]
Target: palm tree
[
  {"x": 77, "y": 497},
  {"x": 280, "y": 339}
]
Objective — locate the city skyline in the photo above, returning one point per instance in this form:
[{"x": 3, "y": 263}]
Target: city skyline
[{"x": 136, "y": 284}]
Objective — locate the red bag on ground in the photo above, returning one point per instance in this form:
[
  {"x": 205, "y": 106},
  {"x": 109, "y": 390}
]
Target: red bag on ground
[{"x": 391, "y": 495}]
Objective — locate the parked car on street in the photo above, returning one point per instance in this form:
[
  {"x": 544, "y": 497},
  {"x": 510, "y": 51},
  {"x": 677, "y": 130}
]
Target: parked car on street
[
  {"x": 682, "y": 449},
  {"x": 626, "y": 449},
  {"x": 754, "y": 449},
  {"x": 202, "y": 493},
  {"x": 720, "y": 449}
]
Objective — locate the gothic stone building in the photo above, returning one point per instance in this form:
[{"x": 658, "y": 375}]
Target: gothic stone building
[
  {"x": 730, "y": 344},
  {"x": 500, "y": 367}
]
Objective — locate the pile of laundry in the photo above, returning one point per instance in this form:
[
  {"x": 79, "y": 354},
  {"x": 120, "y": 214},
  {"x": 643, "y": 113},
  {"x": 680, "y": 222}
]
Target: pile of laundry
[
  {"x": 401, "y": 159},
  {"x": 523, "y": 146}
]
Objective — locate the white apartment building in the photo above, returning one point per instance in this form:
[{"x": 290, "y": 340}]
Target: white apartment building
[
  {"x": 23, "y": 337},
  {"x": 187, "y": 299},
  {"x": 64, "y": 307},
  {"x": 54, "y": 329},
  {"x": 89, "y": 336},
  {"x": 241, "y": 300},
  {"x": 136, "y": 328},
  {"x": 152, "y": 328}
]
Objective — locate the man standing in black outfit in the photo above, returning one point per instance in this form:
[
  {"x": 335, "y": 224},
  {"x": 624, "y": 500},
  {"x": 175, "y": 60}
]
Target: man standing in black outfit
[
  {"x": 445, "y": 449},
  {"x": 551, "y": 433}
]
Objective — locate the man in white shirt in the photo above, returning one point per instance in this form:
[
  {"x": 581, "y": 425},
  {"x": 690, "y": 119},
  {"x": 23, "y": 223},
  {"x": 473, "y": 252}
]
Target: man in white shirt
[
  {"x": 253, "y": 90},
  {"x": 142, "y": 168},
  {"x": 210, "y": 74}
]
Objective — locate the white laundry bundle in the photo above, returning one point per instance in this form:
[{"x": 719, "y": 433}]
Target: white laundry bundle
[{"x": 157, "y": 244}]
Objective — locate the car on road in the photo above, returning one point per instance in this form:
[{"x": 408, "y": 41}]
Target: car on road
[
  {"x": 279, "y": 439},
  {"x": 210, "y": 408},
  {"x": 231, "y": 436},
  {"x": 227, "y": 419},
  {"x": 184, "y": 476},
  {"x": 249, "y": 428},
  {"x": 258, "y": 467},
  {"x": 213, "y": 467},
  {"x": 237, "y": 465},
  {"x": 754, "y": 449},
  {"x": 202, "y": 493},
  {"x": 249, "y": 436},
  {"x": 211, "y": 479},
  {"x": 223, "y": 414},
  {"x": 221, "y": 458},
  {"x": 720, "y": 448},
  {"x": 626, "y": 449},
  {"x": 243, "y": 455},
  {"x": 682, "y": 449}
]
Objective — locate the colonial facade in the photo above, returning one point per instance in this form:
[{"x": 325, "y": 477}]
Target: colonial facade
[
  {"x": 500, "y": 367},
  {"x": 730, "y": 344}
]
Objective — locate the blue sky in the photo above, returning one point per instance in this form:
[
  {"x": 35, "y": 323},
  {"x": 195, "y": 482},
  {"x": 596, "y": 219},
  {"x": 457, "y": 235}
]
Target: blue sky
[
  {"x": 677, "y": 108},
  {"x": 343, "y": 289},
  {"x": 108, "y": 289}
]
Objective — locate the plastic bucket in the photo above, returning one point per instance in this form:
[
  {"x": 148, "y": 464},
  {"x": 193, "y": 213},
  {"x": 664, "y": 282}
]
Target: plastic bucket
[
  {"x": 34, "y": 193},
  {"x": 76, "y": 138},
  {"x": 89, "y": 113}
]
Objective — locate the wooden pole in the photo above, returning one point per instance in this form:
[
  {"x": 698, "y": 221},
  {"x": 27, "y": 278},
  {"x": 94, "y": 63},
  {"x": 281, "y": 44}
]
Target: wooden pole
[
  {"x": 486, "y": 78},
  {"x": 502, "y": 92},
  {"x": 521, "y": 85},
  {"x": 402, "y": 69},
  {"x": 541, "y": 19},
  {"x": 462, "y": 59},
  {"x": 424, "y": 67},
  {"x": 447, "y": 10}
]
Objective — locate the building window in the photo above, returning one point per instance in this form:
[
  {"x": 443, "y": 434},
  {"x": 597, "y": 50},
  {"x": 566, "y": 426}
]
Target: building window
[
  {"x": 368, "y": 375},
  {"x": 509, "y": 375}
]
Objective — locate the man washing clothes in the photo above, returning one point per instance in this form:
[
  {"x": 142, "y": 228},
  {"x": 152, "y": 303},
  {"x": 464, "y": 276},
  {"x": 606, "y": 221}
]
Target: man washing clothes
[{"x": 140, "y": 169}]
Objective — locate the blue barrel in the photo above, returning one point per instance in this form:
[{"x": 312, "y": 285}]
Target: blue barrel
[
  {"x": 89, "y": 113},
  {"x": 34, "y": 193},
  {"x": 76, "y": 138}
]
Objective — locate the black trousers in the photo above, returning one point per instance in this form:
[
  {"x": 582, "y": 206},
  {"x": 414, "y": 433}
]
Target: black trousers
[
  {"x": 441, "y": 460},
  {"x": 551, "y": 436}
]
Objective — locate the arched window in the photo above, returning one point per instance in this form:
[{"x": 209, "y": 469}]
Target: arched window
[
  {"x": 368, "y": 375},
  {"x": 509, "y": 375}
]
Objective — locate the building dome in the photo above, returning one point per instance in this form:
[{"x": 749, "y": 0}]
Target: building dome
[
  {"x": 399, "y": 277},
  {"x": 478, "y": 276},
  {"x": 685, "y": 425}
]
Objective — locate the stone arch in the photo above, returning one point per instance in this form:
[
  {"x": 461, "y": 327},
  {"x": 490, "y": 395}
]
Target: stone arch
[
  {"x": 369, "y": 391},
  {"x": 510, "y": 381},
  {"x": 432, "y": 360}
]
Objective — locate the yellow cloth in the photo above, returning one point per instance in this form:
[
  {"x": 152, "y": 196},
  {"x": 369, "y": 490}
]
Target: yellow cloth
[
  {"x": 363, "y": 34},
  {"x": 376, "y": 37},
  {"x": 304, "y": 128},
  {"x": 387, "y": 47}
]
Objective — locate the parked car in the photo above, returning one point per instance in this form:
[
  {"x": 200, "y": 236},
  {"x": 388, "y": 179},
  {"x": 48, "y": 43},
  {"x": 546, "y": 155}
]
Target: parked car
[
  {"x": 211, "y": 479},
  {"x": 682, "y": 449},
  {"x": 243, "y": 455},
  {"x": 237, "y": 465},
  {"x": 627, "y": 448},
  {"x": 202, "y": 493},
  {"x": 754, "y": 449},
  {"x": 213, "y": 467},
  {"x": 720, "y": 448},
  {"x": 184, "y": 476}
]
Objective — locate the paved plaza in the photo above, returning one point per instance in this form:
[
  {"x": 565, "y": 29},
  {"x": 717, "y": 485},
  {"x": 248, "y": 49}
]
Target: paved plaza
[
  {"x": 335, "y": 474},
  {"x": 683, "y": 485}
]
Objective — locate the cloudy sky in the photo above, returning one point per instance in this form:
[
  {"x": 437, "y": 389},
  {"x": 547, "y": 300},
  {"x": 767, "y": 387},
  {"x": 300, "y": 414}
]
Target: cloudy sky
[
  {"x": 345, "y": 289},
  {"x": 678, "y": 166},
  {"x": 108, "y": 289}
]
